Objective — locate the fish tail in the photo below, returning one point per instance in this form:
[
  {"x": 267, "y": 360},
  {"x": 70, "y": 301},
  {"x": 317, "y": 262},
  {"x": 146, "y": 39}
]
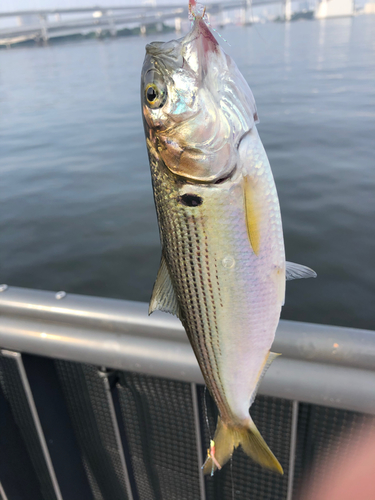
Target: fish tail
[{"x": 228, "y": 437}]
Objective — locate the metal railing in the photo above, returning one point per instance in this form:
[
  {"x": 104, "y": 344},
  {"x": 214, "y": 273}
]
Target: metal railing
[{"x": 321, "y": 365}]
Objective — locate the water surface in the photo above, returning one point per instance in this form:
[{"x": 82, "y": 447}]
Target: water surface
[{"x": 76, "y": 206}]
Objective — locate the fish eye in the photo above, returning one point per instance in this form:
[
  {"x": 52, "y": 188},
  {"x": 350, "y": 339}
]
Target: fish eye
[
  {"x": 151, "y": 94},
  {"x": 155, "y": 90},
  {"x": 154, "y": 96}
]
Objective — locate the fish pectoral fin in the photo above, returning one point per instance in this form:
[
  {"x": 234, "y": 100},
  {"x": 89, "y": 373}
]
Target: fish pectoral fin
[
  {"x": 296, "y": 271},
  {"x": 266, "y": 364},
  {"x": 252, "y": 212},
  {"x": 228, "y": 437},
  {"x": 163, "y": 295}
]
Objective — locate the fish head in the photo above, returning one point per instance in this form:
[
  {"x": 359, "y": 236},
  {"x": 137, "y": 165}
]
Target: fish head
[{"x": 196, "y": 105}]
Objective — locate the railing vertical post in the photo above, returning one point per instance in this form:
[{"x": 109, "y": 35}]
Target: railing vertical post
[
  {"x": 2, "y": 493},
  {"x": 30, "y": 399},
  {"x": 116, "y": 430},
  {"x": 292, "y": 449}
]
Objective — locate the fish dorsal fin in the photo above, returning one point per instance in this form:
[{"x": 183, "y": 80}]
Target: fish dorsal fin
[
  {"x": 252, "y": 214},
  {"x": 267, "y": 363},
  {"x": 296, "y": 271},
  {"x": 163, "y": 295}
]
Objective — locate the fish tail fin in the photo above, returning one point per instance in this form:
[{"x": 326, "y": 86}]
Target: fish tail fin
[
  {"x": 221, "y": 448},
  {"x": 228, "y": 437},
  {"x": 256, "y": 448}
]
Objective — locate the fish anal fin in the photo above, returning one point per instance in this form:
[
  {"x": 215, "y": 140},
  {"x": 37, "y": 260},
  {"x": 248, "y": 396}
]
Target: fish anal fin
[
  {"x": 297, "y": 271},
  {"x": 163, "y": 295},
  {"x": 228, "y": 437},
  {"x": 271, "y": 356},
  {"x": 252, "y": 211}
]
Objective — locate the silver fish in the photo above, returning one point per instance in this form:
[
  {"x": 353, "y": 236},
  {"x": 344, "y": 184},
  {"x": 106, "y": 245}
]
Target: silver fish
[{"x": 223, "y": 266}]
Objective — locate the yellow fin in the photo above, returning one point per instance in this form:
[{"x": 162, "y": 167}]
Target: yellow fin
[
  {"x": 255, "y": 447},
  {"x": 252, "y": 214},
  {"x": 224, "y": 445},
  {"x": 249, "y": 438}
]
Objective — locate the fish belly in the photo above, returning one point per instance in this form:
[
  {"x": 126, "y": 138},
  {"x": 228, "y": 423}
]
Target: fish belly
[{"x": 229, "y": 296}]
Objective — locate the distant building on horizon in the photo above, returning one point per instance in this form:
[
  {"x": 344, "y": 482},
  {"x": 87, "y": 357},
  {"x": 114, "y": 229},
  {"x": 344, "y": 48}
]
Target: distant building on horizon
[
  {"x": 369, "y": 8},
  {"x": 334, "y": 8}
]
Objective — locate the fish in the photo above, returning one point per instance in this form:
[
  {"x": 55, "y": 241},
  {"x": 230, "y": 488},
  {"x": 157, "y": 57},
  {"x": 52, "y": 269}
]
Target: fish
[{"x": 223, "y": 268}]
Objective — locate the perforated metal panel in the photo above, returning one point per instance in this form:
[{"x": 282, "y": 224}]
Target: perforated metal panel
[
  {"x": 158, "y": 417},
  {"x": 15, "y": 393},
  {"x": 57, "y": 427},
  {"x": 138, "y": 437},
  {"x": 90, "y": 406}
]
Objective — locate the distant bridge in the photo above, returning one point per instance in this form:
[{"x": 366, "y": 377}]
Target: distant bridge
[
  {"x": 37, "y": 24},
  {"x": 210, "y": 7}
]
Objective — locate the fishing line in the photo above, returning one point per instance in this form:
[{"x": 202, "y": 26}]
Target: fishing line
[
  {"x": 201, "y": 11},
  {"x": 215, "y": 30},
  {"x": 206, "y": 413},
  {"x": 231, "y": 475},
  {"x": 264, "y": 40},
  {"x": 251, "y": 18}
]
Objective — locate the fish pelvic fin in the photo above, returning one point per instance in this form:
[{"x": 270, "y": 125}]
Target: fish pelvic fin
[
  {"x": 163, "y": 295},
  {"x": 228, "y": 437}
]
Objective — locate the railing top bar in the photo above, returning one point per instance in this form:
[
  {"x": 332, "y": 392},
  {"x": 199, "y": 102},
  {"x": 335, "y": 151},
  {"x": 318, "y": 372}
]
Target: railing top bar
[
  {"x": 305, "y": 341},
  {"x": 311, "y": 382},
  {"x": 114, "y": 315}
]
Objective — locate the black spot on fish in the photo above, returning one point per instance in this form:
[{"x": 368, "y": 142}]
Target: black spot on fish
[{"x": 190, "y": 200}]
